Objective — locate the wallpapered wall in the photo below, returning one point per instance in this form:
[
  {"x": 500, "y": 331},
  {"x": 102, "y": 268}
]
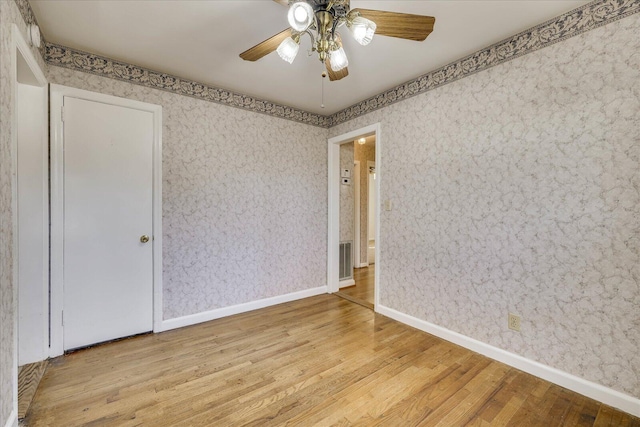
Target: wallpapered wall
[
  {"x": 517, "y": 190},
  {"x": 364, "y": 153},
  {"x": 347, "y": 192},
  {"x": 244, "y": 199},
  {"x": 519, "y": 196},
  {"x": 9, "y": 14}
]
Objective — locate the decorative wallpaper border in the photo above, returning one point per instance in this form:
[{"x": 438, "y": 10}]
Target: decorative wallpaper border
[
  {"x": 588, "y": 17},
  {"x": 584, "y": 18},
  {"x": 83, "y": 61}
]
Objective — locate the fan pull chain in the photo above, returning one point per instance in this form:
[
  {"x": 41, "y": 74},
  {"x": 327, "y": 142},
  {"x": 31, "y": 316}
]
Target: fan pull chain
[{"x": 324, "y": 74}]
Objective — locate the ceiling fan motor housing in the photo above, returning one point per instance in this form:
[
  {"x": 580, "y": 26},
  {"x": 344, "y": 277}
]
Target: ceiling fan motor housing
[{"x": 338, "y": 7}]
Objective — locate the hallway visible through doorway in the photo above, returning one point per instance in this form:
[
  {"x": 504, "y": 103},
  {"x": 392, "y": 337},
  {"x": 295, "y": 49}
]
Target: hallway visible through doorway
[{"x": 348, "y": 219}]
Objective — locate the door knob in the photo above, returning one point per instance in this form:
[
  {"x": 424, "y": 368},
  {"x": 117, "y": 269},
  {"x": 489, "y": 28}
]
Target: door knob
[{"x": 144, "y": 238}]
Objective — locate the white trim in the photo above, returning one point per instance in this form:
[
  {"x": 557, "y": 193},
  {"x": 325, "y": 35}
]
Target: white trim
[
  {"x": 56, "y": 150},
  {"x": 356, "y": 213},
  {"x": 361, "y": 265},
  {"x": 58, "y": 93},
  {"x": 346, "y": 282},
  {"x": 333, "y": 184},
  {"x": 333, "y": 221},
  {"x": 45, "y": 224},
  {"x": 590, "y": 389},
  {"x": 369, "y": 165},
  {"x": 18, "y": 45},
  {"x": 218, "y": 313},
  {"x": 157, "y": 220},
  {"x": 376, "y": 266},
  {"x": 12, "y": 421}
]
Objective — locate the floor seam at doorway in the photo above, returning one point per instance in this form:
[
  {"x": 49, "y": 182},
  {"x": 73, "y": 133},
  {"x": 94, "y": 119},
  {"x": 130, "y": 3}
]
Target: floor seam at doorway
[{"x": 363, "y": 303}]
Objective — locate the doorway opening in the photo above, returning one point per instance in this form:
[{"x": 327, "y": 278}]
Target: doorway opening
[
  {"x": 354, "y": 189},
  {"x": 30, "y": 207}
]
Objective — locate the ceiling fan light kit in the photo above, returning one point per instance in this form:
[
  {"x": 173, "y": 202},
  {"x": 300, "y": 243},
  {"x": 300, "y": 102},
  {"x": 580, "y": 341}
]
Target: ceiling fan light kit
[
  {"x": 300, "y": 16},
  {"x": 289, "y": 47},
  {"x": 320, "y": 19},
  {"x": 338, "y": 59},
  {"x": 321, "y": 25},
  {"x": 362, "y": 29}
]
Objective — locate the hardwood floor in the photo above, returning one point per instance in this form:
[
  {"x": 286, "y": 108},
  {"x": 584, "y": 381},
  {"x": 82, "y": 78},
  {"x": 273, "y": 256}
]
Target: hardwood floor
[
  {"x": 29, "y": 377},
  {"x": 362, "y": 291},
  {"x": 319, "y": 361}
]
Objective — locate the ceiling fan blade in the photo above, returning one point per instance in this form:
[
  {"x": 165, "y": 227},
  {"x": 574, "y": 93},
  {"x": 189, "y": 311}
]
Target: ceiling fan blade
[
  {"x": 401, "y": 25},
  {"x": 335, "y": 75},
  {"x": 265, "y": 47},
  {"x": 282, "y": 2}
]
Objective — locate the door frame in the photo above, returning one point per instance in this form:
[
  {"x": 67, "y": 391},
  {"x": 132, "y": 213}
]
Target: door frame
[
  {"x": 58, "y": 92},
  {"x": 369, "y": 165},
  {"x": 19, "y": 46},
  {"x": 356, "y": 213},
  {"x": 333, "y": 221}
]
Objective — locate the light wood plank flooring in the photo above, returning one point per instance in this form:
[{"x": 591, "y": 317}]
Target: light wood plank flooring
[
  {"x": 29, "y": 377},
  {"x": 362, "y": 292},
  {"x": 319, "y": 361}
]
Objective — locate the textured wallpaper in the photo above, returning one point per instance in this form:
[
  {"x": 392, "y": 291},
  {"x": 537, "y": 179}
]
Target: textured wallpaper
[
  {"x": 244, "y": 199},
  {"x": 514, "y": 189},
  {"x": 517, "y": 190},
  {"x": 585, "y": 18},
  {"x": 347, "y": 192},
  {"x": 364, "y": 153},
  {"x": 9, "y": 14}
]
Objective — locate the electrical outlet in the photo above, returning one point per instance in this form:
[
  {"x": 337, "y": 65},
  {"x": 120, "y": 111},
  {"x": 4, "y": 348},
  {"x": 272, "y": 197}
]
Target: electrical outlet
[{"x": 514, "y": 322}]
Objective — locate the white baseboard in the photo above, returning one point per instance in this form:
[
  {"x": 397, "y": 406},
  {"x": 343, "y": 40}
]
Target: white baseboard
[
  {"x": 346, "y": 282},
  {"x": 206, "y": 316},
  {"x": 362, "y": 264},
  {"x": 590, "y": 389},
  {"x": 12, "y": 421}
]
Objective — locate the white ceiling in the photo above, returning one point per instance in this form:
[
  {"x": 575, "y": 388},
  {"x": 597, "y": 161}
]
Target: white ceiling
[{"x": 201, "y": 41}]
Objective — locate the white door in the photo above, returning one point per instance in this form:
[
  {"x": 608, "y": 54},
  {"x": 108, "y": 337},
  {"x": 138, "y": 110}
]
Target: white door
[{"x": 108, "y": 202}]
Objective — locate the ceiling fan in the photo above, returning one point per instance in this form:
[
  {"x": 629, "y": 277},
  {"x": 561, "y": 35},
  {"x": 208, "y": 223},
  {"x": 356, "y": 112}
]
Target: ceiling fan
[{"x": 321, "y": 19}]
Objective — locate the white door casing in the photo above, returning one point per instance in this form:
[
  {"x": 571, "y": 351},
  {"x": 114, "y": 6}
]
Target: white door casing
[
  {"x": 105, "y": 196},
  {"x": 371, "y": 210},
  {"x": 356, "y": 211}
]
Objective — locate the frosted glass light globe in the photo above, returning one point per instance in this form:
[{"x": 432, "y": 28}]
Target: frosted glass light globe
[
  {"x": 362, "y": 29},
  {"x": 338, "y": 59},
  {"x": 288, "y": 49},
  {"x": 300, "y": 16}
]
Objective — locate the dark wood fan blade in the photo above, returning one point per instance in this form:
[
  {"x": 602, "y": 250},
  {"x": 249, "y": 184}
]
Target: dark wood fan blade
[
  {"x": 335, "y": 75},
  {"x": 266, "y": 47},
  {"x": 401, "y": 25},
  {"x": 282, "y": 2}
]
